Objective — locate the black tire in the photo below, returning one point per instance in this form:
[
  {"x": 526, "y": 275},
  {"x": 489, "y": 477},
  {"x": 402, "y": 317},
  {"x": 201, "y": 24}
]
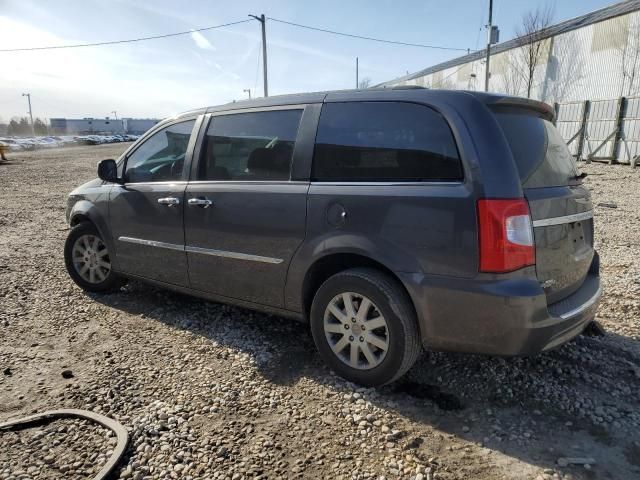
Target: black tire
[
  {"x": 392, "y": 301},
  {"x": 112, "y": 282}
]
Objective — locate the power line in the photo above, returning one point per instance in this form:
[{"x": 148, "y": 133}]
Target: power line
[
  {"x": 367, "y": 38},
  {"x": 168, "y": 35},
  {"x": 124, "y": 41}
]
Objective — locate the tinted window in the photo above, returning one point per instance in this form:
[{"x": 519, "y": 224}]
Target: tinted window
[
  {"x": 384, "y": 141},
  {"x": 250, "y": 146},
  {"x": 160, "y": 158},
  {"x": 540, "y": 152}
]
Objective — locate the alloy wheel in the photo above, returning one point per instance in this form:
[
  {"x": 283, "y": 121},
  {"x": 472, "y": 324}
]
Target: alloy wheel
[
  {"x": 91, "y": 259},
  {"x": 356, "y": 330}
]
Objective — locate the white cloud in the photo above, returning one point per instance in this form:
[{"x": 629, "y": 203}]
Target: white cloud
[
  {"x": 93, "y": 81},
  {"x": 201, "y": 41}
]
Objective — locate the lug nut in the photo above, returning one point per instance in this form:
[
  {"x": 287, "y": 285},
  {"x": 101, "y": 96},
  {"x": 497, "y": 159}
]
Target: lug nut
[
  {"x": 353, "y": 320},
  {"x": 346, "y": 326},
  {"x": 351, "y": 339},
  {"x": 362, "y": 339}
]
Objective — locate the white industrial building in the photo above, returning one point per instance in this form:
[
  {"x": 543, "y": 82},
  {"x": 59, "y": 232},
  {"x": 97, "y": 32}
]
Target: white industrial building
[
  {"x": 137, "y": 126},
  {"x": 88, "y": 126},
  {"x": 588, "y": 67},
  {"x": 588, "y": 57}
]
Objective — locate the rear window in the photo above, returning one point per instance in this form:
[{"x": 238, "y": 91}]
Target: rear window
[
  {"x": 540, "y": 152},
  {"x": 384, "y": 142}
]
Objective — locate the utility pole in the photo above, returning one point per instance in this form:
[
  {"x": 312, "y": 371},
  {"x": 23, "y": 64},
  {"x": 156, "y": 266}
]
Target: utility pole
[
  {"x": 115, "y": 114},
  {"x": 489, "y": 38},
  {"x": 357, "y": 82},
  {"x": 263, "y": 21},
  {"x": 247, "y": 90},
  {"x": 28, "y": 95}
]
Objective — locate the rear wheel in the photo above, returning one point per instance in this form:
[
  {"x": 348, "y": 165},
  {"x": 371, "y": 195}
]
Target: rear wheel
[
  {"x": 88, "y": 261},
  {"x": 365, "y": 327}
]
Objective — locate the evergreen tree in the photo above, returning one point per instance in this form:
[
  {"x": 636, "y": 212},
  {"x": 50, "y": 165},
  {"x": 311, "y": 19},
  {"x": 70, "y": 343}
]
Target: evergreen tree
[
  {"x": 40, "y": 127},
  {"x": 24, "y": 127},
  {"x": 13, "y": 128}
]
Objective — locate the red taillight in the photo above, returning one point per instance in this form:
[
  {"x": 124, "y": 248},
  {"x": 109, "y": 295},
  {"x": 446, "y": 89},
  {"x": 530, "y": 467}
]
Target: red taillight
[{"x": 505, "y": 235}]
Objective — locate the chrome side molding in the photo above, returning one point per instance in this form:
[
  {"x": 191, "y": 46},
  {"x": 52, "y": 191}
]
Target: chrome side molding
[
  {"x": 151, "y": 243},
  {"x": 576, "y": 217},
  {"x": 235, "y": 255},
  {"x": 203, "y": 251}
]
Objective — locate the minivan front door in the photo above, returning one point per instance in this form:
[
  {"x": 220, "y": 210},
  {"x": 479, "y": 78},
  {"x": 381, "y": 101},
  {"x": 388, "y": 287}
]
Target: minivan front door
[
  {"x": 244, "y": 217},
  {"x": 146, "y": 213}
]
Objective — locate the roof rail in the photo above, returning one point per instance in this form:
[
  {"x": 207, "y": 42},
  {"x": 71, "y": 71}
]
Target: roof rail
[{"x": 406, "y": 87}]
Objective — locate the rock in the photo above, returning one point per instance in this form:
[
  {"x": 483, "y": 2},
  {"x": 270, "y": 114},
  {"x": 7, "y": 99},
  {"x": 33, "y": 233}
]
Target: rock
[
  {"x": 222, "y": 452},
  {"x": 67, "y": 374},
  {"x": 7, "y": 371}
]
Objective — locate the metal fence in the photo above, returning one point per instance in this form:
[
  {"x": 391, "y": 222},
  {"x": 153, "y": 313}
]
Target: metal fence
[{"x": 602, "y": 130}]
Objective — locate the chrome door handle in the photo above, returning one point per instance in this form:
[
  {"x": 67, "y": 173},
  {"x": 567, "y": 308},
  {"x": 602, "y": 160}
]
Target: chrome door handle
[
  {"x": 200, "y": 202},
  {"x": 169, "y": 201}
]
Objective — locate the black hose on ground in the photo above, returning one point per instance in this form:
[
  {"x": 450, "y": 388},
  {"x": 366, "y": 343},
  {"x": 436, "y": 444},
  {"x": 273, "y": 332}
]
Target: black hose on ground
[{"x": 121, "y": 433}]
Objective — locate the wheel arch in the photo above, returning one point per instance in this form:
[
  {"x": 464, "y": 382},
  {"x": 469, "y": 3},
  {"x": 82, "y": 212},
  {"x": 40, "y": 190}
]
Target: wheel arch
[
  {"x": 326, "y": 266},
  {"x": 86, "y": 211}
]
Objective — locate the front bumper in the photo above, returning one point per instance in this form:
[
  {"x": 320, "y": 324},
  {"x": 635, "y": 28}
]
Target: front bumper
[{"x": 499, "y": 315}]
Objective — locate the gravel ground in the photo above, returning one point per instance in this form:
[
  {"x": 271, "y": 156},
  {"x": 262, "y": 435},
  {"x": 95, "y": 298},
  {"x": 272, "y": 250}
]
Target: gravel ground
[
  {"x": 212, "y": 391},
  {"x": 73, "y": 449}
]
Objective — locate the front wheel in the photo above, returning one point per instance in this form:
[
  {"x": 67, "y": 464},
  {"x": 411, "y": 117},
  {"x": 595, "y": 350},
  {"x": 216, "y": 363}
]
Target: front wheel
[
  {"x": 88, "y": 261},
  {"x": 365, "y": 327}
]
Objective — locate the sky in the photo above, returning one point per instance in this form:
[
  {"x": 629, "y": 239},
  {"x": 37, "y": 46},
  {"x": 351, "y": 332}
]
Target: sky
[{"x": 158, "y": 78}]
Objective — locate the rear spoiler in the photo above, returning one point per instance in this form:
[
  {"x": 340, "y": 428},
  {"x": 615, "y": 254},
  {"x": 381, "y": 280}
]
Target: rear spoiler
[{"x": 541, "y": 108}]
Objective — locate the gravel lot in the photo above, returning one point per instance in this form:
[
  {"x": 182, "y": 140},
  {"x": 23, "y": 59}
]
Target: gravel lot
[{"x": 212, "y": 391}]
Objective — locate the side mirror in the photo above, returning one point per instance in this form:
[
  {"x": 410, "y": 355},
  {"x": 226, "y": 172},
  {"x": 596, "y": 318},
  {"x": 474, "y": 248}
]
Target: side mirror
[{"x": 108, "y": 171}]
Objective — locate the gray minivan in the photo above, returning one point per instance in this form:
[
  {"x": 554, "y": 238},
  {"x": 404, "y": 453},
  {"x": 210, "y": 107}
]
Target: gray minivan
[{"x": 389, "y": 219}]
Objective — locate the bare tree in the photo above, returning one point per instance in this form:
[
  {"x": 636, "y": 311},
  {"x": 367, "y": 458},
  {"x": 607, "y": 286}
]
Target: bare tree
[
  {"x": 364, "y": 83},
  {"x": 511, "y": 78},
  {"x": 628, "y": 47},
  {"x": 565, "y": 69},
  {"x": 443, "y": 83},
  {"x": 531, "y": 44}
]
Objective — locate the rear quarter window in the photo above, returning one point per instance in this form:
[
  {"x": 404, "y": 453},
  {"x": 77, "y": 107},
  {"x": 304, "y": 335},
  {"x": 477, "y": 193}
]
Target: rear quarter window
[
  {"x": 384, "y": 142},
  {"x": 539, "y": 151}
]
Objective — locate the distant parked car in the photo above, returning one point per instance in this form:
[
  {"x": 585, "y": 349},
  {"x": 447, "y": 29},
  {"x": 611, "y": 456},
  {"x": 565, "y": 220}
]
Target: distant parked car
[
  {"x": 68, "y": 140},
  {"x": 387, "y": 219},
  {"x": 27, "y": 143},
  {"x": 11, "y": 144},
  {"x": 47, "y": 142}
]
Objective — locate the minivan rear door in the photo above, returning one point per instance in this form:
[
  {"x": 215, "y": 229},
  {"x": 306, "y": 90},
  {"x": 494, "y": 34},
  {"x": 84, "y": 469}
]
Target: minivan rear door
[
  {"x": 245, "y": 215},
  {"x": 561, "y": 208}
]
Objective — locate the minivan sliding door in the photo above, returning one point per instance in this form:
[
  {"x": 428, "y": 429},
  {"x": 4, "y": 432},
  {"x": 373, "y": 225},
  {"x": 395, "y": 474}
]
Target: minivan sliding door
[{"x": 244, "y": 215}]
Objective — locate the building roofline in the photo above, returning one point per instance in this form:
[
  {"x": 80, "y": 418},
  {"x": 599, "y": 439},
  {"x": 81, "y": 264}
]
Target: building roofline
[{"x": 600, "y": 15}]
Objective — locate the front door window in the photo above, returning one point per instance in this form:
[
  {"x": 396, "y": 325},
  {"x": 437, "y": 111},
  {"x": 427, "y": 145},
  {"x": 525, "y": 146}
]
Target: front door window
[{"x": 161, "y": 157}]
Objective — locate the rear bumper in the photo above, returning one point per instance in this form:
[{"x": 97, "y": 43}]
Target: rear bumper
[{"x": 498, "y": 315}]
